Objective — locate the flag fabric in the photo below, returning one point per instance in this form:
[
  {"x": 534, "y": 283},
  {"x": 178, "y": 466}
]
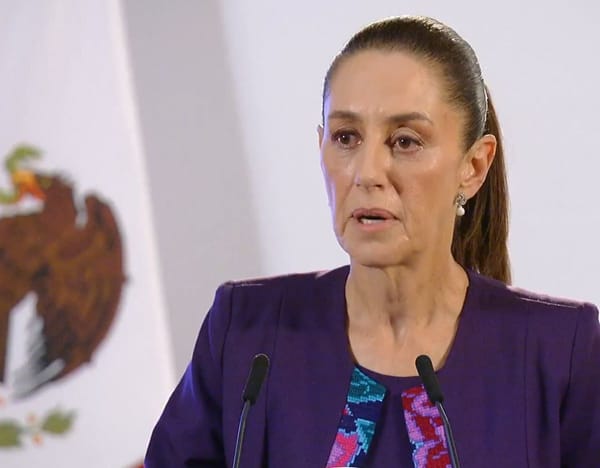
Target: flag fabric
[{"x": 85, "y": 362}]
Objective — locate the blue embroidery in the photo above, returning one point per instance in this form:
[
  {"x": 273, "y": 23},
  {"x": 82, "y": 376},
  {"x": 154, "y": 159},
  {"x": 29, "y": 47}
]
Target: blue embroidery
[{"x": 359, "y": 419}]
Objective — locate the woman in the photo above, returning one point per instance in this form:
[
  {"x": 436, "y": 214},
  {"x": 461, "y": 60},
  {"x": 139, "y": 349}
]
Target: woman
[{"x": 414, "y": 170}]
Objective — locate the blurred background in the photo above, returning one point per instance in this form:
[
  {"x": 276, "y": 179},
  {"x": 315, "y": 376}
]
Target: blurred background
[{"x": 196, "y": 122}]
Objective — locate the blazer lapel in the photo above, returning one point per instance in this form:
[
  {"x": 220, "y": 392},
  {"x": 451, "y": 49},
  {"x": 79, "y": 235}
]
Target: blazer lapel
[{"x": 310, "y": 373}]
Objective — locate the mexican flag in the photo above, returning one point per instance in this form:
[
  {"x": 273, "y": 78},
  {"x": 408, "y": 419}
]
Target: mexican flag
[{"x": 85, "y": 362}]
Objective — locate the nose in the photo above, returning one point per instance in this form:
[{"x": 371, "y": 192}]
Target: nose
[{"x": 372, "y": 166}]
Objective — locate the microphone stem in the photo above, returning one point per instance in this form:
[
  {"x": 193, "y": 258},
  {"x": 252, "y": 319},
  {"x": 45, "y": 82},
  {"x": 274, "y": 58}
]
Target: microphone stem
[
  {"x": 449, "y": 436},
  {"x": 240, "y": 435}
]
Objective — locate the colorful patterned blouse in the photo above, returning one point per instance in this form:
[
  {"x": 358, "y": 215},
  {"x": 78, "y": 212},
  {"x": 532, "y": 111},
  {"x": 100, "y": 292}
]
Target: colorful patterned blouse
[{"x": 406, "y": 417}]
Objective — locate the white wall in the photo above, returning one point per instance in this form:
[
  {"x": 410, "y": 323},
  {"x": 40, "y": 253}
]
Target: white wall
[{"x": 229, "y": 94}]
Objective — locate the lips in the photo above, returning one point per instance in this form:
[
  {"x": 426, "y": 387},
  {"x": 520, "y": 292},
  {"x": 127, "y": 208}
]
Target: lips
[{"x": 372, "y": 215}]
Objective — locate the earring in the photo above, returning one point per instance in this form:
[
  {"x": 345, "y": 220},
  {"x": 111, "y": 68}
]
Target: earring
[{"x": 460, "y": 202}]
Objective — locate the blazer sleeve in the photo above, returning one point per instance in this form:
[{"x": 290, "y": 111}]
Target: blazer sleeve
[
  {"x": 580, "y": 411},
  {"x": 189, "y": 431}
]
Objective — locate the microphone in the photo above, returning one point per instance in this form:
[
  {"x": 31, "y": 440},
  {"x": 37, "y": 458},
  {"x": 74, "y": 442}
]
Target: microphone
[
  {"x": 434, "y": 392},
  {"x": 256, "y": 377}
]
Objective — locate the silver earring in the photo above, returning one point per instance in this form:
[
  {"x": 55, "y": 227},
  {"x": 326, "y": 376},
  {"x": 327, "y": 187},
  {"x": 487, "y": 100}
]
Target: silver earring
[{"x": 460, "y": 202}]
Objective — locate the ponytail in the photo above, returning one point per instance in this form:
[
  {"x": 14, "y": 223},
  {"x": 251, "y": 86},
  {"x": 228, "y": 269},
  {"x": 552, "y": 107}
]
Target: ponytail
[{"x": 480, "y": 236}]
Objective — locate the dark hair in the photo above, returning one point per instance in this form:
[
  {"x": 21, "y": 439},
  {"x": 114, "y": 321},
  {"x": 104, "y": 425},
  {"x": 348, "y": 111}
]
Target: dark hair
[{"x": 480, "y": 236}]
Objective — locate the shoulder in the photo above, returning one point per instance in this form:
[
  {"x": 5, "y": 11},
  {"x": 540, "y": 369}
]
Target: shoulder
[
  {"x": 260, "y": 291},
  {"x": 493, "y": 295},
  {"x": 257, "y": 300},
  {"x": 551, "y": 334},
  {"x": 290, "y": 280},
  {"x": 552, "y": 326}
]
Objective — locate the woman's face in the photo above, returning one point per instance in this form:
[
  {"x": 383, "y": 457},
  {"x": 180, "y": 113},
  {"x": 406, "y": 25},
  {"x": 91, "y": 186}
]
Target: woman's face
[{"x": 393, "y": 159}]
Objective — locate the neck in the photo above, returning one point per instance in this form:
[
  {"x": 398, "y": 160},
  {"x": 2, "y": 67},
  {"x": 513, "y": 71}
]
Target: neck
[{"x": 406, "y": 296}]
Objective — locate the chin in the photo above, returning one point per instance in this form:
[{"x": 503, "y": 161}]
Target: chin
[{"x": 377, "y": 256}]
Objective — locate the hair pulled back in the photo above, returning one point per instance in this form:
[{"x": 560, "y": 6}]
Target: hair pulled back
[{"x": 480, "y": 236}]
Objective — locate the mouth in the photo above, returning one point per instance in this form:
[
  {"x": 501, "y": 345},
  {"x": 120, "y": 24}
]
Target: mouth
[{"x": 370, "y": 216}]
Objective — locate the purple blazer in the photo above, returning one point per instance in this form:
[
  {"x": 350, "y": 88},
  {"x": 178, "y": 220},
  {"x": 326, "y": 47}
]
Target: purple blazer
[{"x": 521, "y": 382}]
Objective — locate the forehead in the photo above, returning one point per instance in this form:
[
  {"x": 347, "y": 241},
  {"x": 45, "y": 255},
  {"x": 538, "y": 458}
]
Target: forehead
[{"x": 381, "y": 82}]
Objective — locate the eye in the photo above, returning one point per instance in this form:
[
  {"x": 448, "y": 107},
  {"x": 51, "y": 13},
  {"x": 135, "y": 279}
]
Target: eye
[
  {"x": 405, "y": 143},
  {"x": 346, "y": 138}
]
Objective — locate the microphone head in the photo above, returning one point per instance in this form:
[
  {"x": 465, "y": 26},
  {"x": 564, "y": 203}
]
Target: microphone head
[
  {"x": 430, "y": 381},
  {"x": 256, "y": 377}
]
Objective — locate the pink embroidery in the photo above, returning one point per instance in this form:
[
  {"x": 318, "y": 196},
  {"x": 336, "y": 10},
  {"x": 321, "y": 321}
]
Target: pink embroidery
[
  {"x": 425, "y": 430},
  {"x": 343, "y": 450}
]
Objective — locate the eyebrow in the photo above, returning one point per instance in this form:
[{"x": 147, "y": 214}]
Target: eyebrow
[{"x": 394, "y": 119}]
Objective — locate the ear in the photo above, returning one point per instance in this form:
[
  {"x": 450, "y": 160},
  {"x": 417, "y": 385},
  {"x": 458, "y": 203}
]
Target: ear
[
  {"x": 476, "y": 164},
  {"x": 320, "y": 131}
]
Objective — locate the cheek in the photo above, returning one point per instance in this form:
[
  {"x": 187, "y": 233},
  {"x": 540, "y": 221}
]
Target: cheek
[
  {"x": 328, "y": 178},
  {"x": 429, "y": 191},
  {"x": 336, "y": 180}
]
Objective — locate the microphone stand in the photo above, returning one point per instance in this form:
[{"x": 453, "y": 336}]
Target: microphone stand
[
  {"x": 256, "y": 377},
  {"x": 434, "y": 392},
  {"x": 241, "y": 433},
  {"x": 449, "y": 435}
]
